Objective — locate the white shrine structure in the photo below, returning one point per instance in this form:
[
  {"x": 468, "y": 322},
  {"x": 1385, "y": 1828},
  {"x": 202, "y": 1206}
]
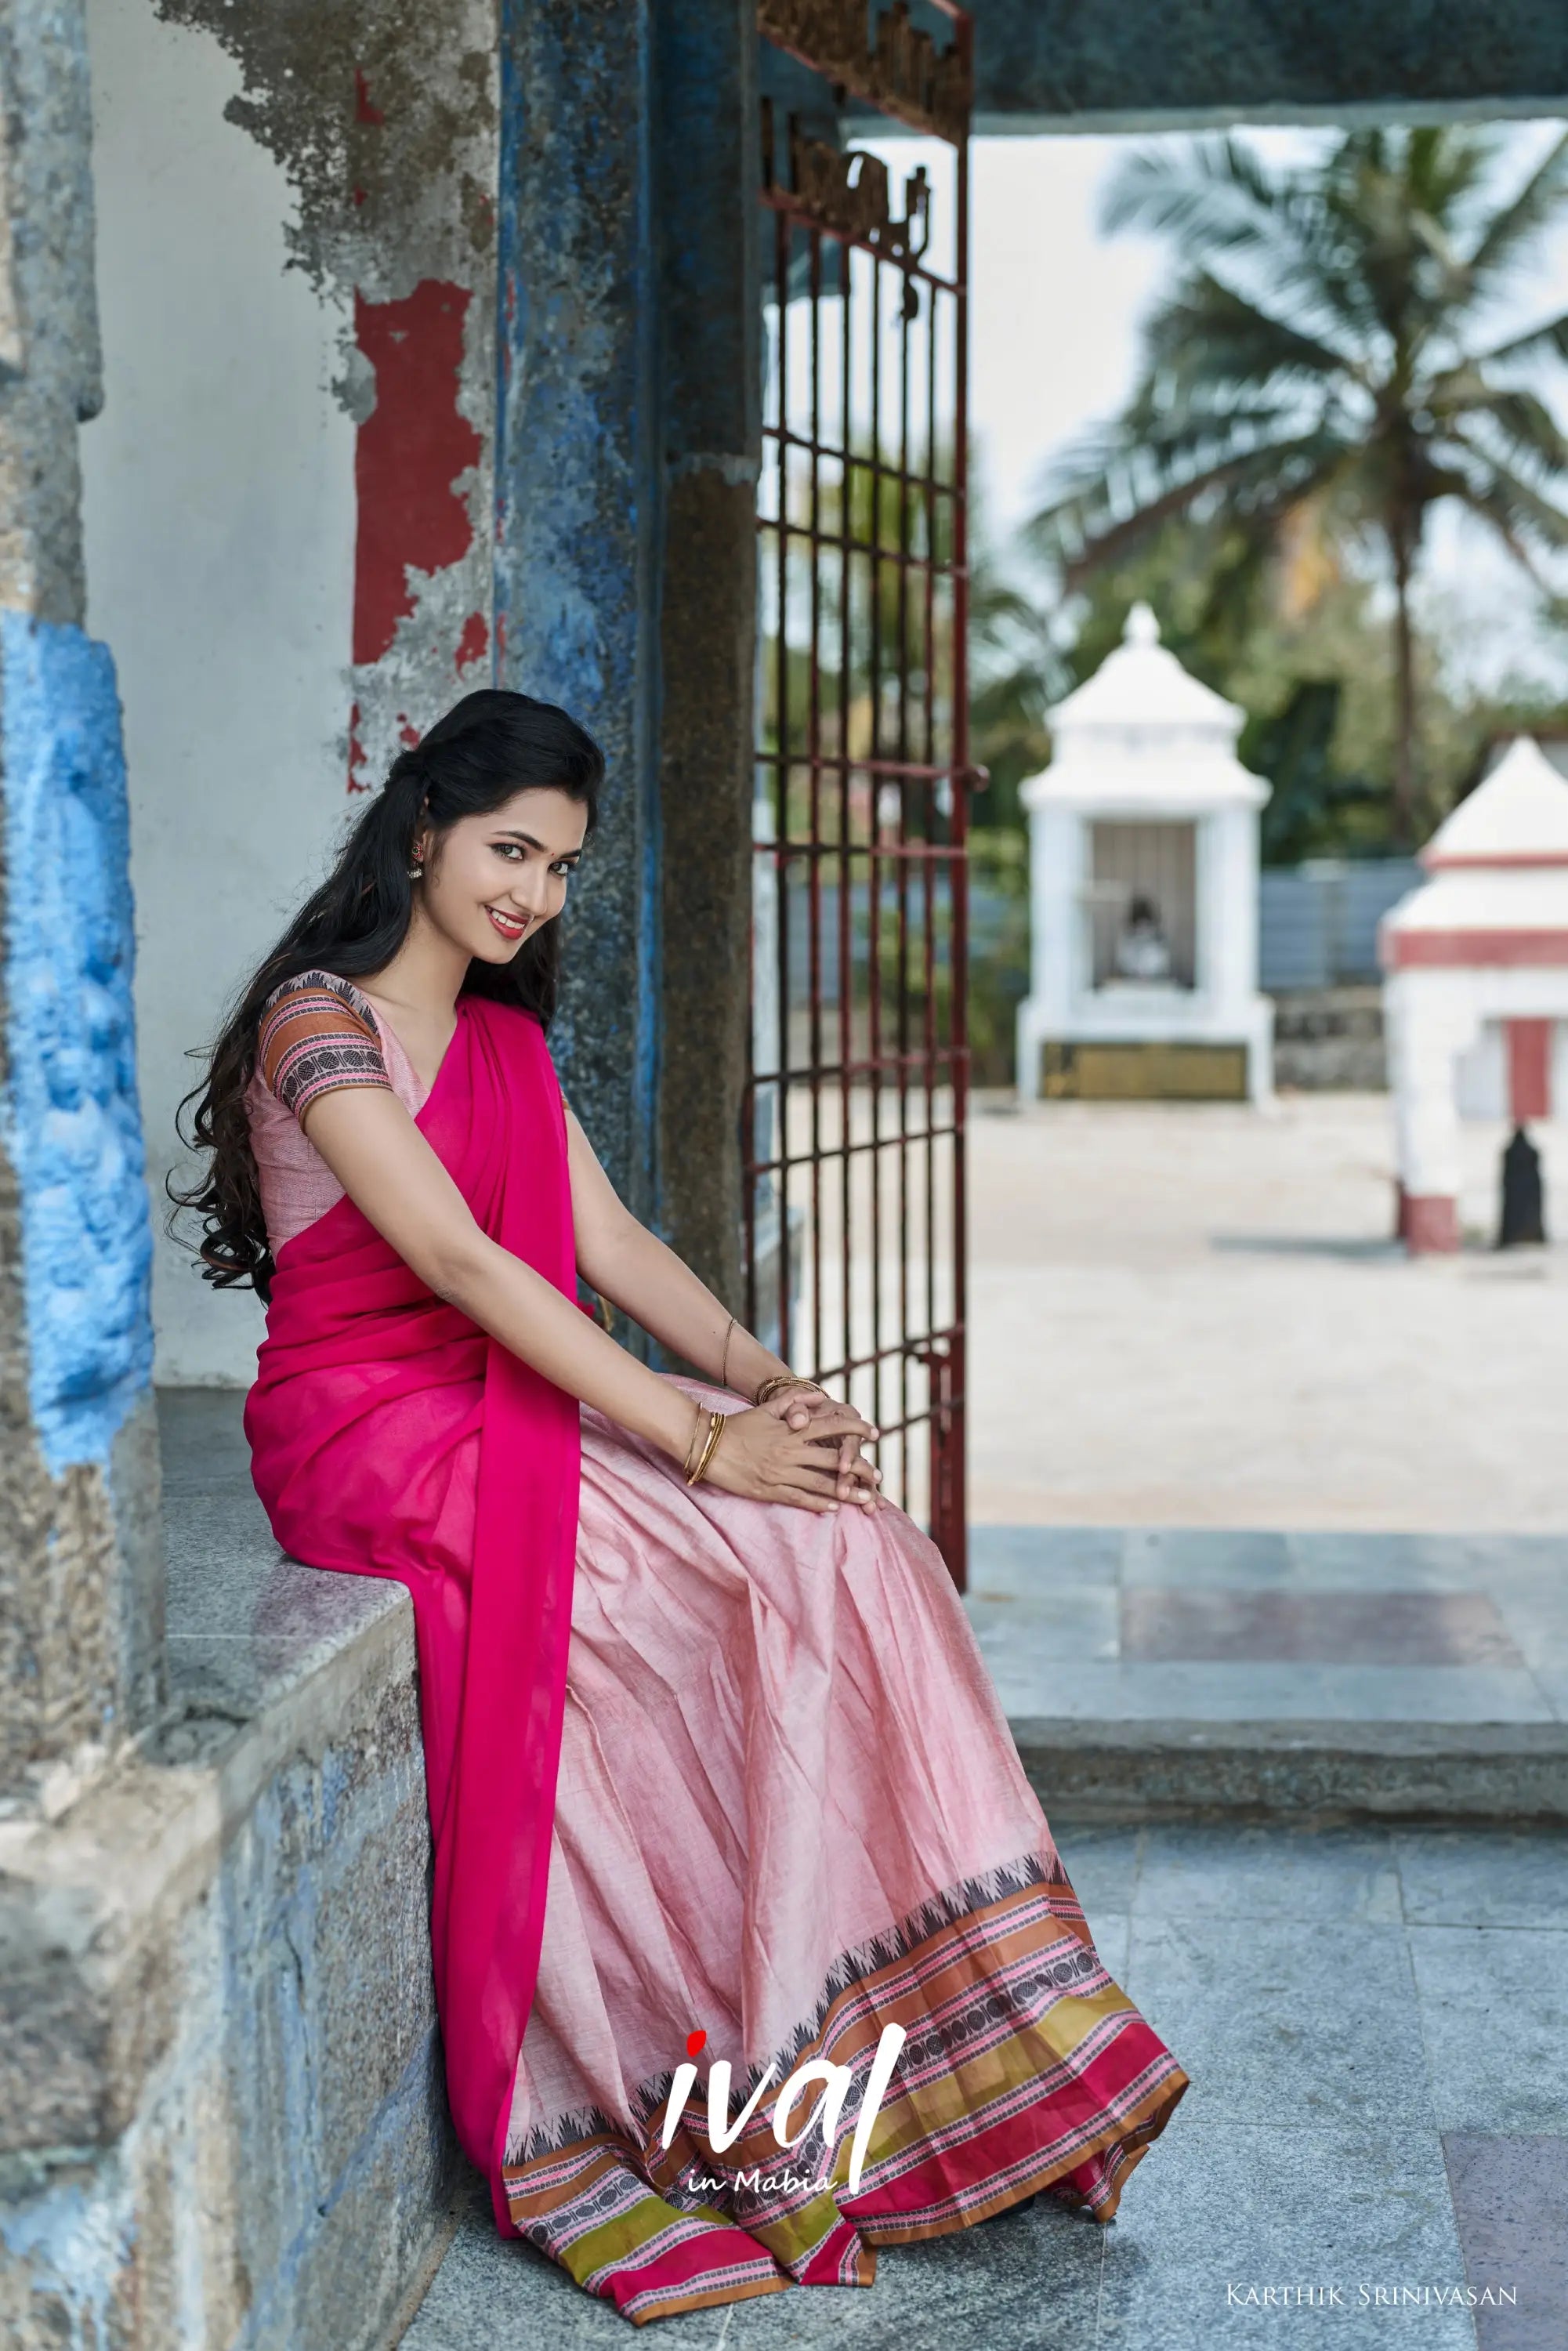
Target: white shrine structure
[
  {"x": 1475, "y": 988},
  {"x": 1143, "y": 891}
]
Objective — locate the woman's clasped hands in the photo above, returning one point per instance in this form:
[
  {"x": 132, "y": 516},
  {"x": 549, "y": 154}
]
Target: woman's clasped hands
[{"x": 802, "y": 1448}]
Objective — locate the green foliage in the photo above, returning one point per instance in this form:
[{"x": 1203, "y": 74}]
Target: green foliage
[{"x": 1319, "y": 377}]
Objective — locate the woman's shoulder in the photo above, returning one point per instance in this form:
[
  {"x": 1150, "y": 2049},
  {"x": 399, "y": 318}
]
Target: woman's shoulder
[
  {"x": 328, "y": 991},
  {"x": 315, "y": 1032}
]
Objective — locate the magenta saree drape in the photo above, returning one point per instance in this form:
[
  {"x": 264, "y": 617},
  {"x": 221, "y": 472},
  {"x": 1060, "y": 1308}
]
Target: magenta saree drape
[{"x": 369, "y": 1396}]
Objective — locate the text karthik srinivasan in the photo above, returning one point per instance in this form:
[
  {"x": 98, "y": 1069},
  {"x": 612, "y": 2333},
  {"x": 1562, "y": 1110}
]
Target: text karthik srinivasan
[{"x": 1368, "y": 2296}]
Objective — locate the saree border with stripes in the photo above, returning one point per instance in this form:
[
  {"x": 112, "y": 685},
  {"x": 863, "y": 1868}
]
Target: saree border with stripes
[{"x": 1025, "y": 2067}]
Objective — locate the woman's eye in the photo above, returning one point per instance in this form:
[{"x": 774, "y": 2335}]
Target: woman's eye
[
  {"x": 509, "y": 849},
  {"x": 563, "y": 868}
]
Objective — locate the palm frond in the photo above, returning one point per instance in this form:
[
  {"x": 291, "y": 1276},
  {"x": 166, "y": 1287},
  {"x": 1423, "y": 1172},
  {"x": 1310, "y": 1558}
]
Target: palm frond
[
  {"x": 1207, "y": 332},
  {"x": 1517, "y": 426},
  {"x": 1525, "y": 519},
  {"x": 1258, "y": 485},
  {"x": 1217, "y": 196},
  {"x": 1549, "y": 341},
  {"x": 1509, "y": 231}
]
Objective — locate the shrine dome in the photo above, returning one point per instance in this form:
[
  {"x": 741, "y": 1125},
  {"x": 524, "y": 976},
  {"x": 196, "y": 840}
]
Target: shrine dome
[
  {"x": 1143, "y": 728},
  {"x": 1519, "y": 816},
  {"x": 1498, "y": 892},
  {"x": 1476, "y": 983}
]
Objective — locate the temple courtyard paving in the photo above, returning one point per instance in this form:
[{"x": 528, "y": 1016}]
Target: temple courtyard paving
[{"x": 1193, "y": 1315}]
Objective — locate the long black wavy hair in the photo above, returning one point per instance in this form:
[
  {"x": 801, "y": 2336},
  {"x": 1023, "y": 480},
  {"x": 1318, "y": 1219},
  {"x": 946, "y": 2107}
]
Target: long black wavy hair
[{"x": 487, "y": 746}]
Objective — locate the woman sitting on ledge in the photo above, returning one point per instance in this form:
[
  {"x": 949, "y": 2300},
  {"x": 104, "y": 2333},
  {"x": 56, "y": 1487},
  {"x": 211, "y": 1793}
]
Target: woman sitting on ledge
[{"x": 717, "y": 1777}]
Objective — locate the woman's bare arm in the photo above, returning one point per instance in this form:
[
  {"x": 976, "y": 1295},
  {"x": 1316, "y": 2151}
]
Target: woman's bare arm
[
  {"x": 391, "y": 1175},
  {"x": 637, "y": 1272}
]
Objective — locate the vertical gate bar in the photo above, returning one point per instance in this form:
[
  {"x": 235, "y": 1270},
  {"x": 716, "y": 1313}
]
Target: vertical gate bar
[
  {"x": 873, "y": 648},
  {"x": 955, "y": 1429},
  {"x": 906, "y": 795},
  {"x": 783, "y": 256},
  {"x": 929, "y": 753},
  {"x": 814, "y": 821},
  {"x": 846, "y": 795}
]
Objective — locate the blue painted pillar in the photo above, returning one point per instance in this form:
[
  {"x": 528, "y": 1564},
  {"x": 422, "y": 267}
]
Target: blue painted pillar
[
  {"x": 578, "y": 493},
  {"x": 625, "y": 552},
  {"x": 80, "y": 1573}
]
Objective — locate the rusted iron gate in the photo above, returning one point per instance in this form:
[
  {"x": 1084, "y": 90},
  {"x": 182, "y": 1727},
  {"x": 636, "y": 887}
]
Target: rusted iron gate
[{"x": 854, "y": 1104}]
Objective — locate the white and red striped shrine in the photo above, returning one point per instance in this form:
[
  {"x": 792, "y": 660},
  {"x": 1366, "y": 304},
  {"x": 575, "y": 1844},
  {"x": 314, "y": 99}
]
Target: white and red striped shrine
[{"x": 1476, "y": 983}]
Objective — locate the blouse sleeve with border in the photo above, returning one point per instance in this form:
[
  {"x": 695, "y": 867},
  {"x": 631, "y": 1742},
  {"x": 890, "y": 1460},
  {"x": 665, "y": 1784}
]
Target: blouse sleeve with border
[{"x": 317, "y": 1034}]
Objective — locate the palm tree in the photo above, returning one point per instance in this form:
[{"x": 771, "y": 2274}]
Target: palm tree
[{"x": 1321, "y": 374}]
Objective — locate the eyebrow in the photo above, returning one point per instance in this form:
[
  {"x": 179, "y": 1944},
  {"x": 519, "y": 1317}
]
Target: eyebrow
[{"x": 543, "y": 847}]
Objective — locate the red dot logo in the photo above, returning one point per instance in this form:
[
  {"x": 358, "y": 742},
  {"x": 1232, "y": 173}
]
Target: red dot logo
[{"x": 696, "y": 2043}]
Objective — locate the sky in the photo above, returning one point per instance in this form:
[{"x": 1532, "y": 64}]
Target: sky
[{"x": 1054, "y": 317}]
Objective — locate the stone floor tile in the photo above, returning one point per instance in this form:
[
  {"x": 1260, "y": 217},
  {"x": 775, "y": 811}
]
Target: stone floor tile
[
  {"x": 1081, "y": 1690},
  {"x": 1110, "y": 1930},
  {"x": 1205, "y": 1555},
  {"x": 1029, "y": 1558},
  {"x": 1298, "y": 2021},
  {"x": 1494, "y": 2016},
  {"x": 1263, "y": 1870},
  {"x": 1538, "y": 1627},
  {"x": 1229, "y": 1692},
  {"x": 1511, "y": 2201},
  {"x": 1553, "y": 1683},
  {"x": 1221, "y": 2206},
  {"x": 1381, "y": 1563},
  {"x": 1490, "y": 1877},
  {"x": 1101, "y": 1859},
  {"x": 1078, "y": 1621},
  {"x": 1027, "y": 2281},
  {"x": 1394, "y": 1628}
]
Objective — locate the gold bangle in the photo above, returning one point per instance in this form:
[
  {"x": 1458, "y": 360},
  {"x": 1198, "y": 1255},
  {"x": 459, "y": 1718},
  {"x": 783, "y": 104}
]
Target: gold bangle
[
  {"x": 702, "y": 1427},
  {"x": 706, "y": 1464},
  {"x": 715, "y": 1431},
  {"x": 783, "y": 1380},
  {"x": 724, "y": 1359}
]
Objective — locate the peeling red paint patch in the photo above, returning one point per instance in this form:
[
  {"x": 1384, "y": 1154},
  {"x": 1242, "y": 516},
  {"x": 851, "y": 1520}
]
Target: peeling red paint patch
[
  {"x": 407, "y": 733},
  {"x": 409, "y": 451},
  {"x": 364, "y": 111},
  {"x": 475, "y": 641}
]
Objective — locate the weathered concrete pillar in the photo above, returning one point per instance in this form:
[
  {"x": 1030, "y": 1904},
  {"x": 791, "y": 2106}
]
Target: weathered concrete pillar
[
  {"x": 709, "y": 176},
  {"x": 625, "y": 553},
  {"x": 80, "y": 1576}
]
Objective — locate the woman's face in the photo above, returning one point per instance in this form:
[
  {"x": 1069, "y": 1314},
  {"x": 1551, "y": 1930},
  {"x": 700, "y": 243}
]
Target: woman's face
[{"x": 490, "y": 881}]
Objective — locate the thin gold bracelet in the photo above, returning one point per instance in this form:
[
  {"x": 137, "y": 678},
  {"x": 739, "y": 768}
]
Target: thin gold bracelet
[
  {"x": 783, "y": 1380},
  {"x": 702, "y": 1427},
  {"x": 715, "y": 1430},
  {"x": 724, "y": 1359}
]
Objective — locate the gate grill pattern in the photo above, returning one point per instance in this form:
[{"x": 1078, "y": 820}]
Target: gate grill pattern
[{"x": 856, "y": 1097}]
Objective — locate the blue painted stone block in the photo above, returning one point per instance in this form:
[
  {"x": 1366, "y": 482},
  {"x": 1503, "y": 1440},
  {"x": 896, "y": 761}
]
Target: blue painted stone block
[{"x": 68, "y": 1112}]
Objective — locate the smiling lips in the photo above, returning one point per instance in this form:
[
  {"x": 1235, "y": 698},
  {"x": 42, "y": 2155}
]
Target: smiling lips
[{"x": 511, "y": 927}]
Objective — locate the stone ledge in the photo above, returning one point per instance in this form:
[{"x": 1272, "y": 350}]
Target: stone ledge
[
  {"x": 1298, "y": 1771},
  {"x": 217, "y": 1961}
]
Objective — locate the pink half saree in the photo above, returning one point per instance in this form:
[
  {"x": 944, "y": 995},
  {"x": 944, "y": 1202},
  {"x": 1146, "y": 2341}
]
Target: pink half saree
[{"x": 695, "y": 1764}]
